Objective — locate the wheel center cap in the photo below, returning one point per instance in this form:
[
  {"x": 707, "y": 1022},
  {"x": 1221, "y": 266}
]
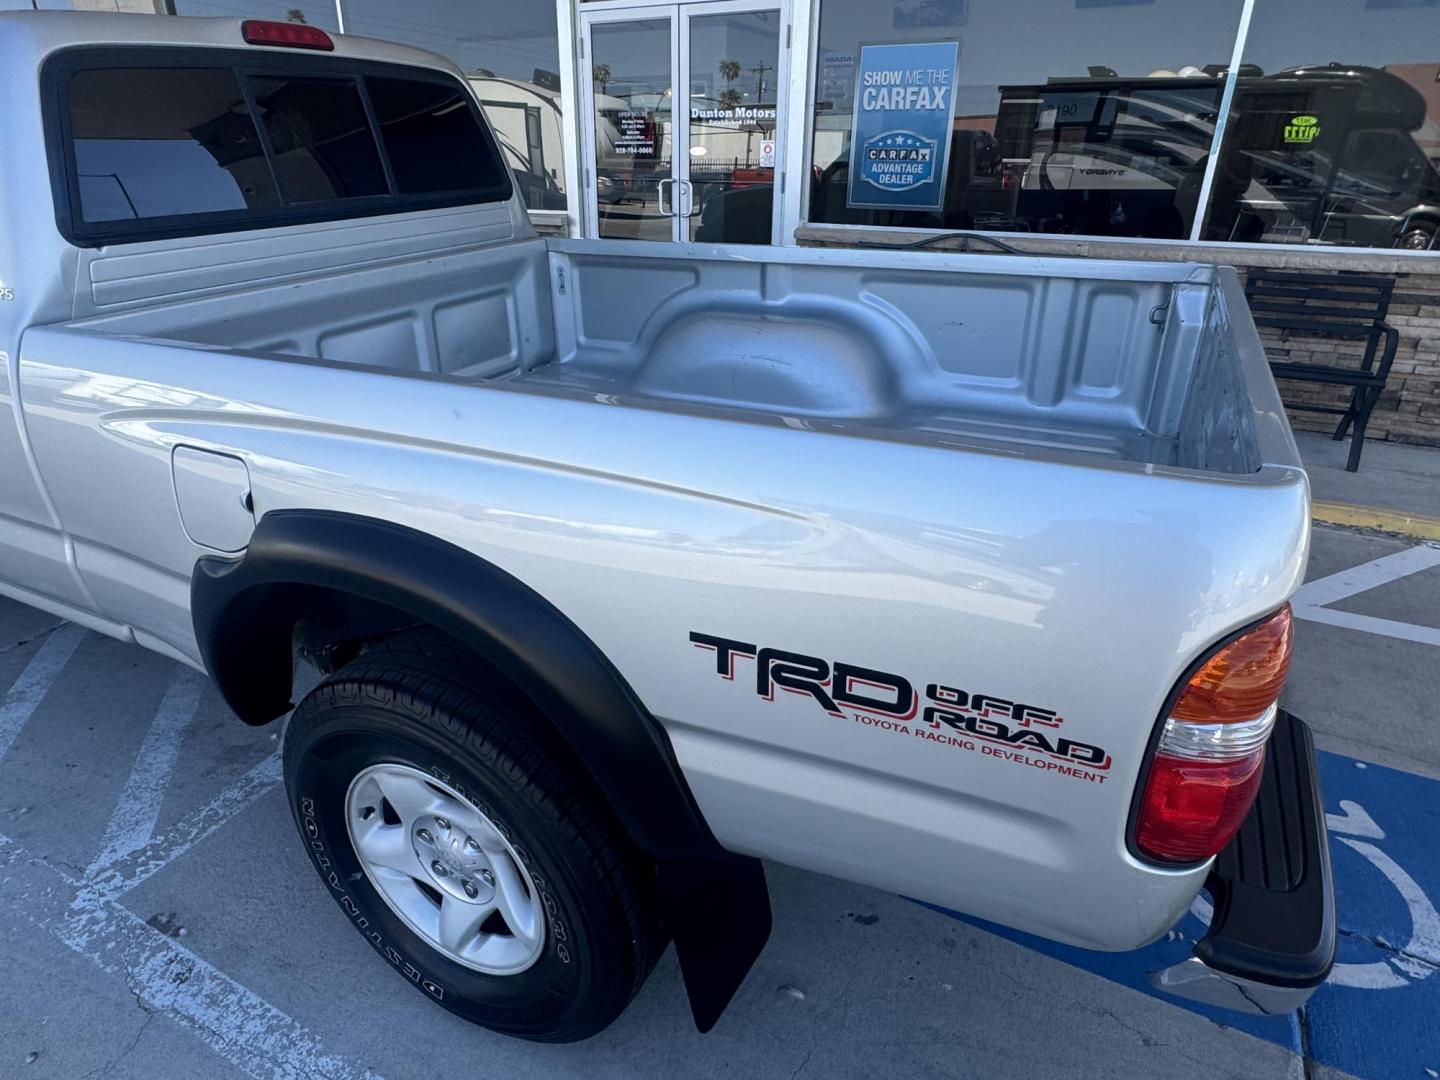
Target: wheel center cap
[{"x": 454, "y": 860}]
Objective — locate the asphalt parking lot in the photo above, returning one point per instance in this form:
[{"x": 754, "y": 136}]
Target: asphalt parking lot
[{"x": 159, "y": 918}]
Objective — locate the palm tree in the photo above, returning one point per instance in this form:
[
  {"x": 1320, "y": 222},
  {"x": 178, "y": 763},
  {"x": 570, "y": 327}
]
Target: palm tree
[
  {"x": 729, "y": 97},
  {"x": 602, "y": 76}
]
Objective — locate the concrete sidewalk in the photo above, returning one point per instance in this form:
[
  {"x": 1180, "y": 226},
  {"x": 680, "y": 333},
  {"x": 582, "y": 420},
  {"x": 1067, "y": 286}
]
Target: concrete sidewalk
[{"x": 1397, "y": 488}]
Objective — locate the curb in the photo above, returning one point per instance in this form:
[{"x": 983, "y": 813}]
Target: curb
[{"x": 1416, "y": 526}]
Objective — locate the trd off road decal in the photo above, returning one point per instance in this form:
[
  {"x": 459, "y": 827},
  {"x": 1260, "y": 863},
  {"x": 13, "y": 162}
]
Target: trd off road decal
[{"x": 994, "y": 726}]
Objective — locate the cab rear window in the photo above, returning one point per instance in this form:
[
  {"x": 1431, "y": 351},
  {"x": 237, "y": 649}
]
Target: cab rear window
[
  {"x": 188, "y": 147},
  {"x": 165, "y": 142},
  {"x": 321, "y": 141},
  {"x": 427, "y": 134}
]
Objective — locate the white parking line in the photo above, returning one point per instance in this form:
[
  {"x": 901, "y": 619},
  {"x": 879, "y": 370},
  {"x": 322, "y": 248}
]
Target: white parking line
[
  {"x": 108, "y": 882},
  {"x": 34, "y": 682},
  {"x": 87, "y": 915},
  {"x": 1424, "y": 635},
  {"x": 233, "y": 1021},
  {"x": 133, "y": 821},
  {"x": 1367, "y": 576},
  {"x": 1309, "y": 602}
]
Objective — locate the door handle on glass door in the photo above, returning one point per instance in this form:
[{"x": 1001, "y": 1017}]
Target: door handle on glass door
[
  {"x": 687, "y": 199},
  {"x": 660, "y": 197}
]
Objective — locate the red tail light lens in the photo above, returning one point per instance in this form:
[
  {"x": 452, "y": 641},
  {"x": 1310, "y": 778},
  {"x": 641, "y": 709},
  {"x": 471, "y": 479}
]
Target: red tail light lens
[
  {"x": 1192, "y": 809},
  {"x": 1210, "y": 757},
  {"x": 285, "y": 34}
]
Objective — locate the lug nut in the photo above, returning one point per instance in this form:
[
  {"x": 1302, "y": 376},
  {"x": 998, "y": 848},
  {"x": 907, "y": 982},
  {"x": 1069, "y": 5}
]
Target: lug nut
[
  {"x": 423, "y": 835},
  {"x": 487, "y": 877},
  {"x": 442, "y": 824},
  {"x": 439, "y": 868},
  {"x": 471, "y": 844},
  {"x": 470, "y": 890}
]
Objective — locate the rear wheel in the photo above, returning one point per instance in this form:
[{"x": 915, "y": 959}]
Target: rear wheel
[
  {"x": 461, "y": 839},
  {"x": 1416, "y": 238}
]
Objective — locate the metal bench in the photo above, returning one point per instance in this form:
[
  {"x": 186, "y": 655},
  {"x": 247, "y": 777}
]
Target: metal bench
[{"x": 1347, "y": 307}]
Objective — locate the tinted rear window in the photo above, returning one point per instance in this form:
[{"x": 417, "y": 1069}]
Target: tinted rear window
[
  {"x": 149, "y": 148},
  {"x": 320, "y": 137},
  {"x": 432, "y": 142},
  {"x": 154, "y": 144}
]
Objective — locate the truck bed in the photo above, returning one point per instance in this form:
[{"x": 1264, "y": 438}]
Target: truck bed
[
  {"x": 1093, "y": 364},
  {"x": 1091, "y": 360}
]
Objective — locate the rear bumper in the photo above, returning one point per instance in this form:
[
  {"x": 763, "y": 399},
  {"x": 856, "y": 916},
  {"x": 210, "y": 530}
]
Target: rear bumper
[{"x": 1271, "y": 940}]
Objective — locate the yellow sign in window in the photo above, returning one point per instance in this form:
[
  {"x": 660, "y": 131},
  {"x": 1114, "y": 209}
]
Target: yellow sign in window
[{"x": 1302, "y": 129}]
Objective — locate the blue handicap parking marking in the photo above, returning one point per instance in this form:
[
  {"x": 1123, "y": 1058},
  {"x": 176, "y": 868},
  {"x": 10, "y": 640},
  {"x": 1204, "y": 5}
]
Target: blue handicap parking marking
[{"x": 1378, "y": 1015}]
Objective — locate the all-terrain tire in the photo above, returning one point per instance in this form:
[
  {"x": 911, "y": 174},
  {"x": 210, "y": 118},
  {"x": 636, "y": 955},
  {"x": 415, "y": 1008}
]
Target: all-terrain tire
[{"x": 421, "y": 701}]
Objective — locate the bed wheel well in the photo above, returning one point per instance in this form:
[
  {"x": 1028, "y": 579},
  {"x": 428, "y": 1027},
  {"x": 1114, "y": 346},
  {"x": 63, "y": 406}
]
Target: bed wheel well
[{"x": 325, "y": 583}]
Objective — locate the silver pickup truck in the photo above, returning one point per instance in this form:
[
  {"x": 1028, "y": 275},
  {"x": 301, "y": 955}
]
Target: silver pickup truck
[{"x": 285, "y": 371}]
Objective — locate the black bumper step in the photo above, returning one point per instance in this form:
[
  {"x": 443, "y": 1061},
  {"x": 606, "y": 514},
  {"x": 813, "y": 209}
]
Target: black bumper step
[{"x": 1272, "y": 936}]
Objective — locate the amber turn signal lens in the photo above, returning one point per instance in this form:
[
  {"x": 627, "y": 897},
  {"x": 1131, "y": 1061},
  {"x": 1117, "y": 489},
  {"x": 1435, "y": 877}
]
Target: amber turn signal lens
[
  {"x": 1243, "y": 679},
  {"x": 1209, "y": 759}
]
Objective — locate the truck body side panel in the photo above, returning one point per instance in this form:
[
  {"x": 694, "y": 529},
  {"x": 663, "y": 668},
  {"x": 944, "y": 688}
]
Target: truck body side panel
[
  {"x": 34, "y": 288},
  {"x": 1082, "y": 592}
]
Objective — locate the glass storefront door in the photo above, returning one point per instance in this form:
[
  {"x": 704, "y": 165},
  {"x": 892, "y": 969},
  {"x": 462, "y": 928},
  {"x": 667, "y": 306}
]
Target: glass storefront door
[
  {"x": 631, "y": 188},
  {"x": 683, "y": 107}
]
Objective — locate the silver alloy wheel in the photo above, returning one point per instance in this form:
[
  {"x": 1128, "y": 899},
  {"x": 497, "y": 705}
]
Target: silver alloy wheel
[{"x": 445, "y": 869}]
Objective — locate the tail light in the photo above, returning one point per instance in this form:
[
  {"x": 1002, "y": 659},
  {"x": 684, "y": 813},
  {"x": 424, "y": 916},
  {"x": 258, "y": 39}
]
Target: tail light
[
  {"x": 1210, "y": 757},
  {"x": 285, "y": 34}
]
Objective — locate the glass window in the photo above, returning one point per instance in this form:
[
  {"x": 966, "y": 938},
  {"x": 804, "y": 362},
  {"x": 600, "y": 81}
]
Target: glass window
[
  {"x": 734, "y": 69},
  {"x": 434, "y": 142},
  {"x": 313, "y": 12},
  {"x": 160, "y": 142},
  {"x": 1090, "y": 117},
  {"x": 510, "y": 54},
  {"x": 150, "y": 142},
  {"x": 321, "y": 138},
  {"x": 634, "y": 124},
  {"x": 1334, "y": 134}
]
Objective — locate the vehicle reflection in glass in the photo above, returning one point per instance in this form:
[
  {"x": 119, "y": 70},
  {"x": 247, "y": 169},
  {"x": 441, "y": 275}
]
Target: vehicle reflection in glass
[
  {"x": 1312, "y": 154},
  {"x": 1353, "y": 174},
  {"x": 1333, "y": 154},
  {"x": 1106, "y": 156},
  {"x": 526, "y": 120}
]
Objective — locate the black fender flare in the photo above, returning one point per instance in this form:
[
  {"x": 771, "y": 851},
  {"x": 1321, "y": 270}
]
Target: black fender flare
[{"x": 245, "y": 609}]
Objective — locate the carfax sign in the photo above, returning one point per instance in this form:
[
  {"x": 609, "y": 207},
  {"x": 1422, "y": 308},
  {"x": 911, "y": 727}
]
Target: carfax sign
[{"x": 900, "y": 134}]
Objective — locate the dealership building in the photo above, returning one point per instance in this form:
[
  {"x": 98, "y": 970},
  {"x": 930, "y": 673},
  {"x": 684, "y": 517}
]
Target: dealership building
[{"x": 1299, "y": 134}]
